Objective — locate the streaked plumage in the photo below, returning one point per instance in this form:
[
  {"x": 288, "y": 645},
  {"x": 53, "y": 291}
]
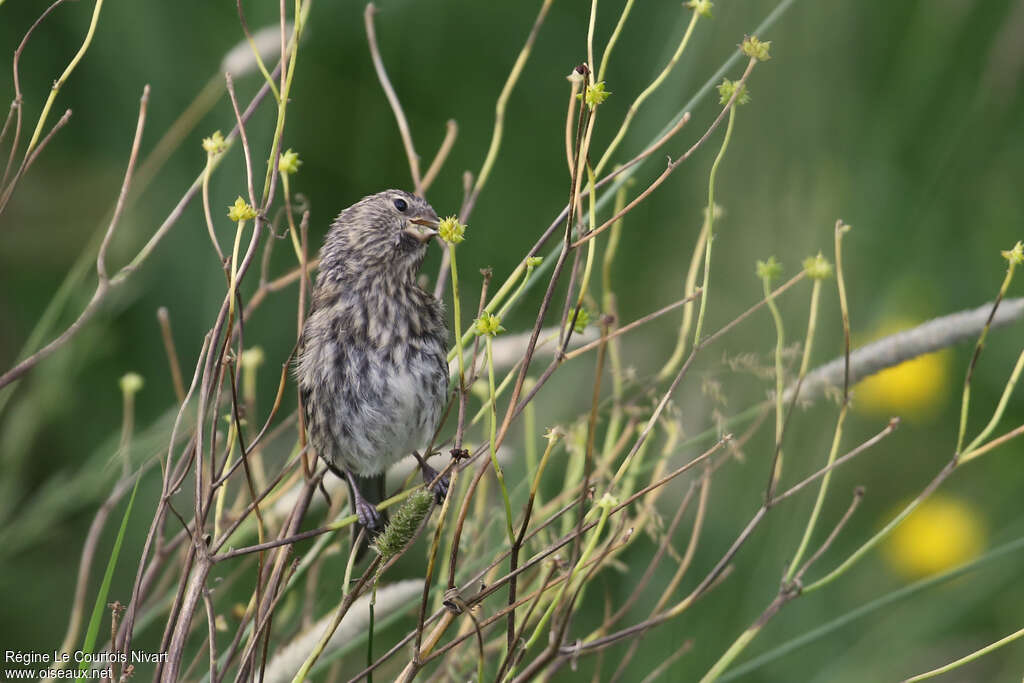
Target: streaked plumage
[{"x": 372, "y": 366}]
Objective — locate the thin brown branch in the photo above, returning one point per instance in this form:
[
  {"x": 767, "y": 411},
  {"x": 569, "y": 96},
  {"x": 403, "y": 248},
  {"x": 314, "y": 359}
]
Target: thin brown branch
[
  {"x": 7, "y": 123},
  {"x": 256, "y": 53},
  {"x": 61, "y": 122},
  {"x": 994, "y": 443},
  {"x": 451, "y": 131},
  {"x": 101, "y": 258},
  {"x": 211, "y": 626},
  {"x": 92, "y": 538},
  {"x": 633, "y": 325},
  {"x": 652, "y": 565},
  {"x": 720, "y": 567},
  {"x": 858, "y": 495},
  {"x": 396, "y": 106},
  {"x": 17, "y": 102},
  {"x": 102, "y": 291},
  {"x": 164, "y": 318},
  {"x": 796, "y": 488},
  {"x": 672, "y": 164}
]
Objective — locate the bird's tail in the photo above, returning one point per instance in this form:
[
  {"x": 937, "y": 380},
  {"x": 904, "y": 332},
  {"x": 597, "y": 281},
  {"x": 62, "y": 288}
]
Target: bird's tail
[{"x": 372, "y": 489}]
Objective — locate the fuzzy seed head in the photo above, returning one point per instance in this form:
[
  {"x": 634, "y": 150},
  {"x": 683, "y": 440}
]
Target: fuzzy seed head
[{"x": 403, "y": 524}]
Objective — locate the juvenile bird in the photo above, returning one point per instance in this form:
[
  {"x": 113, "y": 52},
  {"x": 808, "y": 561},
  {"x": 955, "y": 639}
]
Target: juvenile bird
[{"x": 372, "y": 367}]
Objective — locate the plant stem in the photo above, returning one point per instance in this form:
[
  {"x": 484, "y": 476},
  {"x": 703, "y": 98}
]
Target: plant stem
[
  {"x": 711, "y": 224},
  {"x": 493, "y": 439}
]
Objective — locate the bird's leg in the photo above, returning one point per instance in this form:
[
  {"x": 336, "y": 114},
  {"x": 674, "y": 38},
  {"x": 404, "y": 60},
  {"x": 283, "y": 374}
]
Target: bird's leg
[
  {"x": 438, "y": 484},
  {"x": 367, "y": 514}
]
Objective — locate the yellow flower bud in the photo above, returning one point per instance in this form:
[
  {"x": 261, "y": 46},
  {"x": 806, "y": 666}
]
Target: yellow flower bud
[{"x": 241, "y": 211}]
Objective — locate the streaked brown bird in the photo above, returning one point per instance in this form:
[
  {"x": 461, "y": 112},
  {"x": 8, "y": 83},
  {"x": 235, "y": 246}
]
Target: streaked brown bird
[{"x": 372, "y": 361}]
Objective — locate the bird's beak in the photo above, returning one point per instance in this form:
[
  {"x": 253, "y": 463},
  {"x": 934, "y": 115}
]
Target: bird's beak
[{"x": 422, "y": 229}]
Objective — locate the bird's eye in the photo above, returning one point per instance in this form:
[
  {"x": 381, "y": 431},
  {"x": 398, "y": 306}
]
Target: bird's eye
[{"x": 401, "y": 205}]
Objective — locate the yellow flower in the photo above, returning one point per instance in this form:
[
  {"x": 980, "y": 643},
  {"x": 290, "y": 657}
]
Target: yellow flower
[
  {"x": 758, "y": 49},
  {"x": 726, "y": 88},
  {"x": 916, "y": 389},
  {"x": 941, "y": 533},
  {"x": 451, "y": 230},
  {"x": 489, "y": 325},
  {"x": 215, "y": 144},
  {"x": 701, "y": 7},
  {"x": 595, "y": 95},
  {"x": 289, "y": 162},
  {"x": 131, "y": 383},
  {"x": 241, "y": 211}
]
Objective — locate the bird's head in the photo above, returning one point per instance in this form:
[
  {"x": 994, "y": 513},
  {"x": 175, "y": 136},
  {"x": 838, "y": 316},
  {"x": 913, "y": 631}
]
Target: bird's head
[{"x": 385, "y": 233}]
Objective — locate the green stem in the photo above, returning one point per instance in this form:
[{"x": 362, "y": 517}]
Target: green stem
[
  {"x": 282, "y": 103},
  {"x": 727, "y": 658},
  {"x": 234, "y": 267},
  {"x": 874, "y": 540},
  {"x": 609, "y": 307},
  {"x": 780, "y": 342},
  {"x": 614, "y": 39},
  {"x": 674, "y": 361},
  {"x": 711, "y": 226},
  {"x": 506, "y": 92},
  {"x": 873, "y": 606},
  {"x": 819, "y": 502},
  {"x": 457, "y": 311},
  {"x": 1003, "y": 400},
  {"x": 493, "y": 438},
  {"x": 515, "y": 295},
  {"x": 506, "y": 383},
  {"x": 292, "y": 232},
  {"x": 495, "y": 301},
  {"x": 966, "y": 398},
  {"x": 63, "y": 78},
  {"x": 589, "y": 265},
  {"x": 647, "y": 92},
  {"x": 262, "y": 67},
  {"x": 812, "y": 325},
  {"x": 369, "y": 633},
  {"x": 968, "y": 659},
  {"x": 584, "y": 558},
  {"x": 530, "y": 429}
]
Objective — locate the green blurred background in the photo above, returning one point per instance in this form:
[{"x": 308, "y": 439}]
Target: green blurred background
[{"x": 900, "y": 118}]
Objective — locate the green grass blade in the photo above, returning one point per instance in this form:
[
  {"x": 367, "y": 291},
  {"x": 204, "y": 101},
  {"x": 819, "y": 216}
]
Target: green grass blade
[
  {"x": 101, "y": 598},
  {"x": 882, "y": 601}
]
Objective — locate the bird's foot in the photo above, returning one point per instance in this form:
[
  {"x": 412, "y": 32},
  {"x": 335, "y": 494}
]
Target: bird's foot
[
  {"x": 430, "y": 476},
  {"x": 369, "y": 516},
  {"x": 440, "y": 487}
]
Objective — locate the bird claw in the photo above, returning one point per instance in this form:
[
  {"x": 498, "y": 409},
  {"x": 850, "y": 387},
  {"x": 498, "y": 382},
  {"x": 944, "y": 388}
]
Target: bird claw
[
  {"x": 369, "y": 517},
  {"x": 440, "y": 487}
]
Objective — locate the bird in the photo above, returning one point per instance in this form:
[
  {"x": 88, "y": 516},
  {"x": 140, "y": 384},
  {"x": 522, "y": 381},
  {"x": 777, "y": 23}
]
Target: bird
[{"x": 372, "y": 366}]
